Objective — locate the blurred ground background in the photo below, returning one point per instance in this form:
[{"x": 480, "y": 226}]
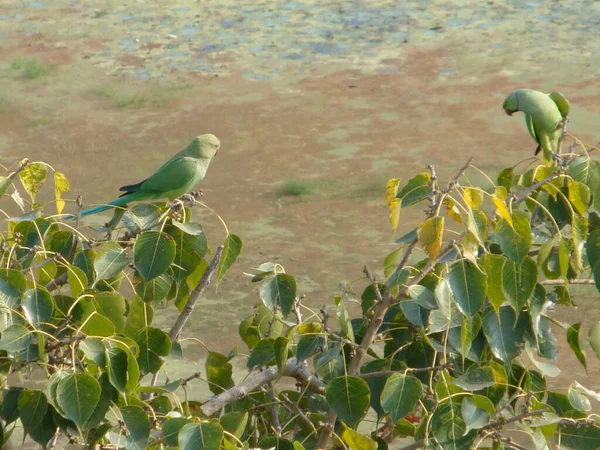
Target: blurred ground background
[{"x": 316, "y": 103}]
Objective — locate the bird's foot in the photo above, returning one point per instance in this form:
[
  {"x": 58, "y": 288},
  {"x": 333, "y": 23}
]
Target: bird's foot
[
  {"x": 563, "y": 123},
  {"x": 190, "y": 198}
]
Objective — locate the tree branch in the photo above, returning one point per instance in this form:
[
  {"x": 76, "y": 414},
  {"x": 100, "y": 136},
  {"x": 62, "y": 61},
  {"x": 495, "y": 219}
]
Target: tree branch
[
  {"x": 293, "y": 368},
  {"x": 559, "y": 282},
  {"x": 195, "y": 295}
]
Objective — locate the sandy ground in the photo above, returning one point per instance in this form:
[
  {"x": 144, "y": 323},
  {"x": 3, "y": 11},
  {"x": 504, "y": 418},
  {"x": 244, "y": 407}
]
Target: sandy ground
[{"x": 339, "y": 96}]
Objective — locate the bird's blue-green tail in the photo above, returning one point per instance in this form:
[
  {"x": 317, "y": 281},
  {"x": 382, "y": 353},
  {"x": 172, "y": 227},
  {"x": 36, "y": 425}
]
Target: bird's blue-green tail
[{"x": 122, "y": 201}]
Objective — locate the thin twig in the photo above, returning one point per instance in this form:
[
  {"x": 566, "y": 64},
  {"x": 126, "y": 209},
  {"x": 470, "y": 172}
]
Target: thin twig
[
  {"x": 513, "y": 444},
  {"x": 195, "y": 295},
  {"x": 300, "y": 414},
  {"x": 274, "y": 409},
  {"x": 193, "y": 376},
  {"x": 381, "y": 373},
  {"x": 522, "y": 195}
]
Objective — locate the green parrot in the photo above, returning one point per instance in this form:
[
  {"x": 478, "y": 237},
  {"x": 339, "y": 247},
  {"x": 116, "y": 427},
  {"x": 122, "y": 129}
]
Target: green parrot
[
  {"x": 173, "y": 179},
  {"x": 543, "y": 113}
]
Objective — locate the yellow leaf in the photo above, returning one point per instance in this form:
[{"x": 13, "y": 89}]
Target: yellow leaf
[
  {"x": 430, "y": 235},
  {"x": 499, "y": 199},
  {"x": 391, "y": 190},
  {"x": 395, "y": 207},
  {"x": 452, "y": 210},
  {"x": 32, "y": 177},
  {"x": 473, "y": 197},
  {"x": 61, "y": 184}
]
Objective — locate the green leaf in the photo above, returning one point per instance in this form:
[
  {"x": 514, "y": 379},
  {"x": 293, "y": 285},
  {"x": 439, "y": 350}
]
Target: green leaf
[
  {"x": 43, "y": 433},
  {"x": 117, "y": 364},
  {"x": 579, "y": 196},
  {"x": 279, "y": 293},
  {"x": 502, "y": 332},
  {"x": 112, "y": 306},
  {"x": 506, "y": 177},
  {"x": 32, "y": 177},
  {"x": 468, "y": 332},
  {"x": 234, "y": 423},
  {"x": 574, "y": 343},
  {"x": 140, "y": 315},
  {"x": 416, "y": 190},
  {"x": 580, "y": 438},
  {"x": 153, "y": 253},
  {"x": 12, "y": 285},
  {"x": 281, "y": 348},
  {"x": 468, "y": 287},
  {"x": 154, "y": 290},
  {"x": 171, "y": 428},
  {"x": 422, "y": 296},
  {"x": 430, "y": 234},
  {"x": 263, "y": 354},
  {"x": 474, "y": 417},
  {"x": 218, "y": 372},
  {"x": 94, "y": 349},
  {"x": 5, "y": 183},
  {"x": 449, "y": 428},
  {"x": 138, "y": 427},
  {"x": 107, "y": 395},
  {"x": 592, "y": 247},
  {"x": 84, "y": 260},
  {"x": 32, "y": 408},
  {"x": 38, "y": 305},
  {"x": 154, "y": 344},
  {"x": 191, "y": 246},
  {"x": 376, "y": 384},
  {"x": 201, "y": 436},
  {"x": 349, "y": 397},
  {"x": 518, "y": 282},
  {"x": 357, "y": 441},
  {"x": 10, "y": 403},
  {"x": 110, "y": 260},
  {"x": 15, "y": 339},
  {"x": 94, "y": 323},
  {"x": 231, "y": 250},
  {"x": 549, "y": 370},
  {"x": 476, "y": 379},
  {"x": 77, "y": 280},
  {"x": 400, "y": 395},
  {"x": 578, "y": 399},
  {"x": 77, "y": 395},
  {"x": 514, "y": 240},
  {"x": 594, "y": 337}
]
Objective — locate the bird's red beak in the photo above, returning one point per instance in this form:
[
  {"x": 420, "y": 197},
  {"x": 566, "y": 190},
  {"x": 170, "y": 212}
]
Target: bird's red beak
[
  {"x": 509, "y": 112},
  {"x": 218, "y": 149}
]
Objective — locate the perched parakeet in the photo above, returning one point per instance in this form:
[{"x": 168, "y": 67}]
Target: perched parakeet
[
  {"x": 543, "y": 113},
  {"x": 173, "y": 179}
]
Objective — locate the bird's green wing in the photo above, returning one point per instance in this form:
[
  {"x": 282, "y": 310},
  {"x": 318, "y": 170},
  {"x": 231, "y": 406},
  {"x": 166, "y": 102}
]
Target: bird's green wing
[
  {"x": 172, "y": 176},
  {"x": 531, "y": 127},
  {"x": 563, "y": 104}
]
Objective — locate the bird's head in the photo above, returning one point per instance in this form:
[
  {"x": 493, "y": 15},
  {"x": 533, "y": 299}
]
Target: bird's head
[
  {"x": 204, "y": 146},
  {"x": 511, "y": 104}
]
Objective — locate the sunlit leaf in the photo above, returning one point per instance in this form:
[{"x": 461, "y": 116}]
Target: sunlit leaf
[
  {"x": 416, "y": 190},
  {"x": 430, "y": 234},
  {"x": 32, "y": 177},
  {"x": 138, "y": 427},
  {"x": 231, "y": 250},
  {"x": 110, "y": 260},
  {"x": 279, "y": 293},
  {"x": 469, "y": 286},
  {"x": 61, "y": 185},
  {"x": 514, "y": 236},
  {"x": 518, "y": 282}
]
